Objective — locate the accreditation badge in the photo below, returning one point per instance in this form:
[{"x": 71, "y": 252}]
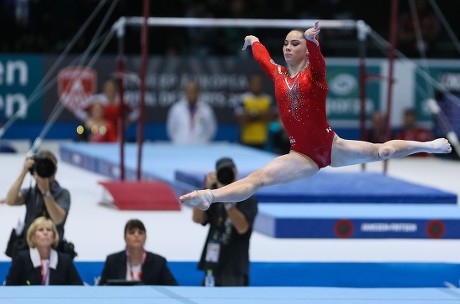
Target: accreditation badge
[{"x": 212, "y": 252}]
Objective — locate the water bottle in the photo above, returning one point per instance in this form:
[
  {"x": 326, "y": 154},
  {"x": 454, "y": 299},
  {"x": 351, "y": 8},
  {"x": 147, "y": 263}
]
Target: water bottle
[{"x": 209, "y": 279}]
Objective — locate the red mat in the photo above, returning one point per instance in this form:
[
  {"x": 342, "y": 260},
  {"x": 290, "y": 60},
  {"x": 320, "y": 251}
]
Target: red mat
[{"x": 143, "y": 195}]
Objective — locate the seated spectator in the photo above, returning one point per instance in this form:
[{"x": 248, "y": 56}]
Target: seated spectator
[
  {"x": 134, "y": 263},
  {"x": 110, "y": 101},
  {"x": 376, "y": 133},
  {"x": 96, "y": 128},
  {"x": 41, "y": 264},
  {"x": 411, "y": 131},
  {"x": 191, "y": 120},
  {"x": 254, "y": 113},
  {"x": 112, "y": 107}
]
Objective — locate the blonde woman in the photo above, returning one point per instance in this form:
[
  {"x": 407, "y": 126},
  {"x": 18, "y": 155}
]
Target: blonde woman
[{"x": 41, "y": 264}]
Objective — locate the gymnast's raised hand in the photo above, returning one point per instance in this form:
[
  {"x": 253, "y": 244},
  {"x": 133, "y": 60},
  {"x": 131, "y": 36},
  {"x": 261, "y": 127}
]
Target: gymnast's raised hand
[
  {"x": 249, "y": 40},
  {"x": 312, "y": 33}
]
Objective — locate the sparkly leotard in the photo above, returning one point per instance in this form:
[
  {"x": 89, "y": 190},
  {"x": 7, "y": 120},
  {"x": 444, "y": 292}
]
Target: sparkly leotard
[{"x": 302, "y": 103}]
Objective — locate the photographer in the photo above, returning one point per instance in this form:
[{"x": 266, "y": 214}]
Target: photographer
[
  {"x": 47, "y": 198},
  {"x": 226, "y": 251}
]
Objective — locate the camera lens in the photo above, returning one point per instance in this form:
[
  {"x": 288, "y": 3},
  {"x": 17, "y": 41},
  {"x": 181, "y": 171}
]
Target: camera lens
[
  {"x": 225, "y": 176},
  {"x": 43, "y": 166}
]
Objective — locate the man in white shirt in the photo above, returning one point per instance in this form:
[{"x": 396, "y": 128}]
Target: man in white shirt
[{"x": 191, "y": 121}]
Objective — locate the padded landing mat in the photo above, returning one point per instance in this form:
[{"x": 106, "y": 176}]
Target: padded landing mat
[{"x": 143, "y": 195}]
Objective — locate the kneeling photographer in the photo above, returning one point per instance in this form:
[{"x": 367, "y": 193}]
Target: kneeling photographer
[
  {"x": 45, "y": 198},
  {"x": 226, "y": 250}
]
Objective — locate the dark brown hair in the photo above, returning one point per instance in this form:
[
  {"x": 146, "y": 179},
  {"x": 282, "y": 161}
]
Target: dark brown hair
[
  {"x": 134, "y": 224},
  {"x": 298, "y": 30},
  {"x": 48, "y": 154}
]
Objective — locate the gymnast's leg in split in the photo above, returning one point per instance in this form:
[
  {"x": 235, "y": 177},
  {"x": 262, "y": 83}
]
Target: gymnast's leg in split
[
  {"x": 352, "y": 152},
  {"x": 294, "y": 166},
  {"x": 283, "y": 169}
]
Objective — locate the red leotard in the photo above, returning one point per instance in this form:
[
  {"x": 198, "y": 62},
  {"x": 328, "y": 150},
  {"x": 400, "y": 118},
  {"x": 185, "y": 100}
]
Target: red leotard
[{"x": 302, "y": 103}]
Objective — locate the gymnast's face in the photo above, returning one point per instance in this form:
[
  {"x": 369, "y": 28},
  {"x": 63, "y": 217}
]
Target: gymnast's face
[{"x": 295, "y": 48}]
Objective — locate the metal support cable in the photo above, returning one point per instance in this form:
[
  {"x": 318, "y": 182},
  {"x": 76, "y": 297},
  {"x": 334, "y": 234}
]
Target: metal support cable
[
  {"x": 59, "y": 106},
  {"x": 33, "y": 96}
]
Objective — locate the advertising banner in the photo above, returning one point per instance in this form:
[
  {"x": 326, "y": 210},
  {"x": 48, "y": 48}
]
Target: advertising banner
[
  {"x": 343, "y": 102},
  {"x": 222, "y": 81},
  {"x": 20, "y": 94}
]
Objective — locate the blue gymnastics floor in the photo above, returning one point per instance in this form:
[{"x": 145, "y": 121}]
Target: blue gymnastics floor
[
  {"x": 224, "y": 295},
  {"x": 184, "y": 167}
]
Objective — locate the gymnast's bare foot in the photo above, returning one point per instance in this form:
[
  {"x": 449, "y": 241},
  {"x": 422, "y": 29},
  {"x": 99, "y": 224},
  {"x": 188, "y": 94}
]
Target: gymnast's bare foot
[
  {"x": 201, "y": 199},
  {"x": 440, "y": 145}
]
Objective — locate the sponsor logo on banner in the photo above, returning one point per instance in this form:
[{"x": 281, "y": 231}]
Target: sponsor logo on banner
[
  {"x": 450, "y": 80},
  {"x": 343, "y": 84},
  {"x": 75, "y": 85},
  {"x": 435, "y": 229},
  {"x": 343, "y": 228},
  {"x": 343, "y": 100},
  {"x": 389, "y": 227}
]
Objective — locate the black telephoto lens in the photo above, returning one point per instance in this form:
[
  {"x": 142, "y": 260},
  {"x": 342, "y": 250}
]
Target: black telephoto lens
[
  {"x": 43, "y": 166},
  {"x": 225, "y": 176}
]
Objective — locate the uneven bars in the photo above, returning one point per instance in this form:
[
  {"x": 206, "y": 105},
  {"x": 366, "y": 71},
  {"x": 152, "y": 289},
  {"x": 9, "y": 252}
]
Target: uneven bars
[{"x": 237, "y": 22}]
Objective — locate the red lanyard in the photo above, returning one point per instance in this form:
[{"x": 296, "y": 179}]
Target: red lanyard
[
  {"x": 45, "y": 271},
  {"x": 130, "y": 267}
]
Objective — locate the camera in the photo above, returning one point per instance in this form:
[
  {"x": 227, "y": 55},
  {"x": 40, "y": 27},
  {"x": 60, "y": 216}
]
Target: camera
[
  {"x": 225, "y": 170},
  {"x": 225, "y": 176},
  {"x": 43, "y": 166}
]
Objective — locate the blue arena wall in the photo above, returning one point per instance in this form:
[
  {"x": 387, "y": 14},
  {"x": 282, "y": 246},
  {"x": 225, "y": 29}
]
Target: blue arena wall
[
  {"x": 359, "y": 275},
  {"x": 152, "y": 132}
]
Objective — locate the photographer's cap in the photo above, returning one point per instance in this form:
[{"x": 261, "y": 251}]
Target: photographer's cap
[{"x": 224, "y": 162}]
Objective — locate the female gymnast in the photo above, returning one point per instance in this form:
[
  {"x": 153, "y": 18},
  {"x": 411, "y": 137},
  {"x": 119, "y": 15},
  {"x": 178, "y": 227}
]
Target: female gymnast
[{"x": 301, "y": 91}]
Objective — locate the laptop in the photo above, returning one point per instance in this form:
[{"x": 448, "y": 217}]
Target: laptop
[{"x": 122, "y": 282}]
